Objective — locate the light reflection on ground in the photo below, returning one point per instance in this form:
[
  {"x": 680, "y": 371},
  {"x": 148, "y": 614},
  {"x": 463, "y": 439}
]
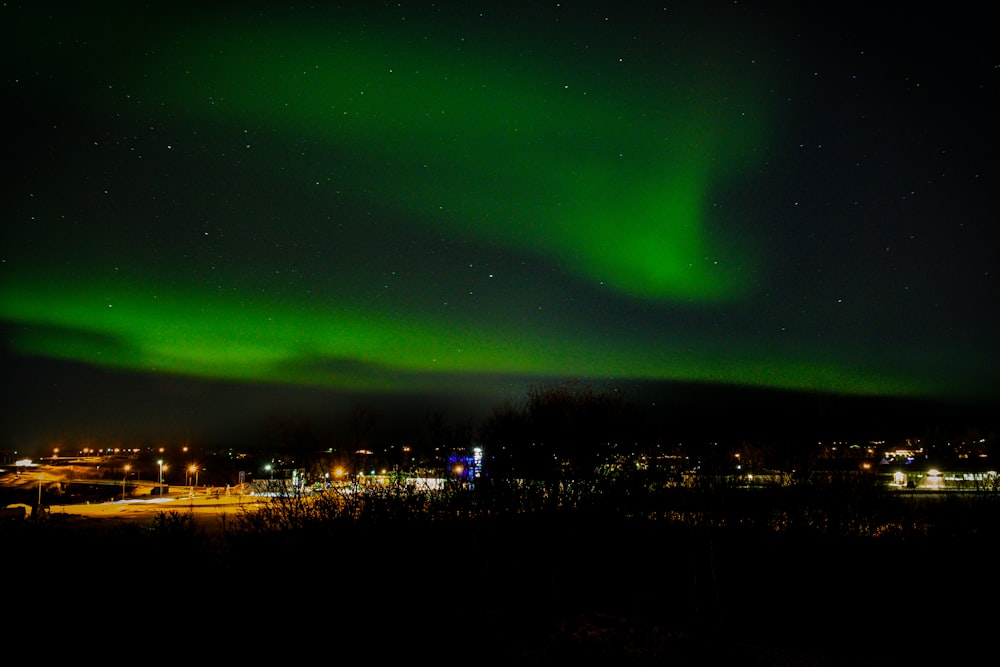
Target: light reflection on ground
[{"x": 205, "y": 510}]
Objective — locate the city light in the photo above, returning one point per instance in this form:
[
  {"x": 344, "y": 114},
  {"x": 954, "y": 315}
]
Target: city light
[{"x": 162, "y": 467}]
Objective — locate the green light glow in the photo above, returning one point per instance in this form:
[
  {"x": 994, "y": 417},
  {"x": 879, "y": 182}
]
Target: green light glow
[
  {"x": 200, "y": 336},
  {"x": 606, "y": 181},
  {"x": 609, "y": 180}
]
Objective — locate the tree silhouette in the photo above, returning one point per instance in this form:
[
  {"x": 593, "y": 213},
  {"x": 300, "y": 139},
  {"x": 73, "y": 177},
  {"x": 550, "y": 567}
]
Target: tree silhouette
[{"x": 562, "y": 431}]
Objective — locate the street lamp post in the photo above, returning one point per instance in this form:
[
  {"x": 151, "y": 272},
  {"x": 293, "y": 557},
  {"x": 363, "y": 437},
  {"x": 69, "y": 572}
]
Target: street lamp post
[
  {"x": 123, "y": 480},
  {"x": 270, "y": 485},
  {"x": 160, "y": 484}
]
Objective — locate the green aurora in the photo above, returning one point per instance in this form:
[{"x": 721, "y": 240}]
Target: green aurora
[{"x": 605, "y": 176}]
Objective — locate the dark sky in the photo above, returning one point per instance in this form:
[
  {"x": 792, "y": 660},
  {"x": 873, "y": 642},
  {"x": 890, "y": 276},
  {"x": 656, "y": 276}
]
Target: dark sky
[{"x": 216, "y": 215}]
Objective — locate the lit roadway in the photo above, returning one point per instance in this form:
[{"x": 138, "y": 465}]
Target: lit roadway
[{"x": 206, "y": 509}]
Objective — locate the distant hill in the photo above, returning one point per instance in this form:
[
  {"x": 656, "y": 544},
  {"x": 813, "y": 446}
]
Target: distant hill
[{"x": 729, "y": 412}]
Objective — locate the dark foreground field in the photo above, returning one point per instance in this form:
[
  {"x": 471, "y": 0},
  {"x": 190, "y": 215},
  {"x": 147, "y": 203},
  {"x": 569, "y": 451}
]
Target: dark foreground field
[{"x": 729, "y": 579}]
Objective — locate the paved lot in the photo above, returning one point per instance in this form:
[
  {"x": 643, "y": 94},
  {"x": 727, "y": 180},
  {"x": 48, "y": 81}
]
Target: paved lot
[{"x": 205, "y": 509}]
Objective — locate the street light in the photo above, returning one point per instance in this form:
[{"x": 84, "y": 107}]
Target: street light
[
  {"x": 270, "y": 485},
  {"x": 127, "y": 466},
  {"x": 193, "y": 469},
  {"x": 160, "y": 463}
]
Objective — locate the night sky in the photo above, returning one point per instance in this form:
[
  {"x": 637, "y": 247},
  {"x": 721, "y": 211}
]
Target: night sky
[{"x": 218, "y": 214}]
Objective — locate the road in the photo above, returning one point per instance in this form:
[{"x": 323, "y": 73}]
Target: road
[{"x": 205, "y": 509}]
